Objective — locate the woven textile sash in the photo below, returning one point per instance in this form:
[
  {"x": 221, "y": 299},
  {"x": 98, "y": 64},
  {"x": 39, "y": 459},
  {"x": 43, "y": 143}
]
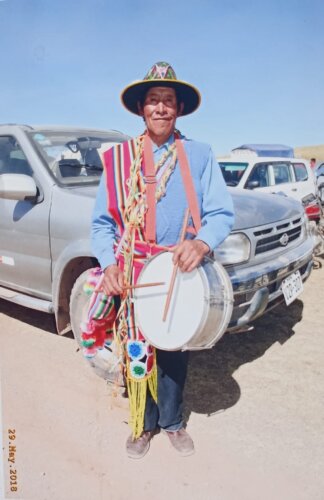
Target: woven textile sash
[
  {"x": 117, "y": 161},
  {"x": 125, "y": 194}
]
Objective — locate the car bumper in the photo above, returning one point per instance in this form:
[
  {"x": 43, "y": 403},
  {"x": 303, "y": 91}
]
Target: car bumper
[{"x": 257, "y": 289}]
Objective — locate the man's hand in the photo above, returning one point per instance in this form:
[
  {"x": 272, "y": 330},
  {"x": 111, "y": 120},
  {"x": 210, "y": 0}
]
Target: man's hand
[
  {"x": 113, "y": 280},
  {"x": 189, "y": 254}
]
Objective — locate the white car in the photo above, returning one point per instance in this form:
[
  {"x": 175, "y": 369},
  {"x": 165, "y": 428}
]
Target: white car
[
  {"x": 319, "y": 172},
  {"x": 270, "y": 174}
]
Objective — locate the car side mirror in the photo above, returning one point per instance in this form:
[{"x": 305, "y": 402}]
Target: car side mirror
[
  {"x": 253, "y": 184},
  {"x": 17, "y": 187}
]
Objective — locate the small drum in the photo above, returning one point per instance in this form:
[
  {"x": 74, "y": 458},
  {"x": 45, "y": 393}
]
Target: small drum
[{"x": 200, "y": 309}]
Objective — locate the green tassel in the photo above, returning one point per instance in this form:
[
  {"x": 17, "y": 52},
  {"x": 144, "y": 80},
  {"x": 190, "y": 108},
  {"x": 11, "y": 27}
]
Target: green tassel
[{"x": 88, "y": 343}]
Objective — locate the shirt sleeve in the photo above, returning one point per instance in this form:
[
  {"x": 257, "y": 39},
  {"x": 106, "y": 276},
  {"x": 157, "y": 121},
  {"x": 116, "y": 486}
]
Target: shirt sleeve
[
  {"x": 103, "y": 229},
  {"x": 217, "y": 205}
]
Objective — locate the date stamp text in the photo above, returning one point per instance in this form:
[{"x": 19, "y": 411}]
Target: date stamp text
[{"x": 12, "y": 448}]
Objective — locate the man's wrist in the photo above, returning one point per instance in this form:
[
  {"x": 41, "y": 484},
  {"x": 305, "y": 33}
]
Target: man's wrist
[
  {"x": 204, "y": 245},
  {"x": 109, "y": 267}
]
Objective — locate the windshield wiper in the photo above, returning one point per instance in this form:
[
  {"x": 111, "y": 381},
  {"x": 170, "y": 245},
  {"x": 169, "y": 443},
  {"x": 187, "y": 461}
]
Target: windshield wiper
[
  {"x": 92, "y": 167},
  {"x": 70, "y": 163}
]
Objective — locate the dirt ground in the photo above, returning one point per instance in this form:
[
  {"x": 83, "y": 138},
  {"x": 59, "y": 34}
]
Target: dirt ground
[{"x": 254, "y": 406}]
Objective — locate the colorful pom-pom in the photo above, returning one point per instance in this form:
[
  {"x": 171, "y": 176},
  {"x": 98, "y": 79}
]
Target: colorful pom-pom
[
  {"x": 88, "y": 343},
  {"x": 136, "y": 349},
  {"x": 137, "y": 369},
  {"x": 89, "y": 352},
  {"x": 92, "y": 280}
]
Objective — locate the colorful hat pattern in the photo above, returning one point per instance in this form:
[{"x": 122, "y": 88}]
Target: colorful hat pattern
[{"x": 161, "y": 75}]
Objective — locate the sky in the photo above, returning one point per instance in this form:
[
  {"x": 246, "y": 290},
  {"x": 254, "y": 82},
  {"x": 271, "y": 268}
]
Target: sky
[{"x": 258, "y": 65}]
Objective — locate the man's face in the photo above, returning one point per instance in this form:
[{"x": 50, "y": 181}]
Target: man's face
[{"x": 160, "y": 111}]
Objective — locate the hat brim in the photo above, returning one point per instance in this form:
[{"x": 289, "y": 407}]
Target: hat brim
[{"x": 186, "y": 93}]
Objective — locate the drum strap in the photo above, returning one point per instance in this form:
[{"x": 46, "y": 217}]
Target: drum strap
[
  {"x": 151, "y": 181},
  {"x": 188, "y": 185}
]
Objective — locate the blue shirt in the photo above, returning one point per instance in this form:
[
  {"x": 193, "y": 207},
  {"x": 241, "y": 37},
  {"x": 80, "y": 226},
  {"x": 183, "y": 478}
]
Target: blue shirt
[{"x": 214, "y": 201}]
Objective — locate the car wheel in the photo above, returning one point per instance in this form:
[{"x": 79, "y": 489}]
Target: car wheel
[{"x": 105, "y": 362}]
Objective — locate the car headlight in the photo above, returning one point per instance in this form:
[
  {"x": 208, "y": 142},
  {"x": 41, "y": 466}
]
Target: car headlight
[{"x": 235, "y": 249}]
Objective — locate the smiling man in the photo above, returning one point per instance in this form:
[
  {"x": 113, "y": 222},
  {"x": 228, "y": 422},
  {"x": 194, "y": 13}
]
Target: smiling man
[
  {"x": 139, "y": 212},
  {"x": 160, "y": 110}
]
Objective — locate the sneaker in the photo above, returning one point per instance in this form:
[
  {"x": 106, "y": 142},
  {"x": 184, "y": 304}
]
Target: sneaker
[
  {"x": 137, "y": 448},
  {"x": 181, "y": 441}
]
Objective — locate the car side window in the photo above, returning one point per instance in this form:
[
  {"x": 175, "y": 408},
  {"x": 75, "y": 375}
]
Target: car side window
[
  {"x": 300, "y": 172},
  {"x": 282, "y": 173},
  {"x": 260, "y": 174},
  {"x": 12, "y": 157},
  {"x": 320, "y": 170}
]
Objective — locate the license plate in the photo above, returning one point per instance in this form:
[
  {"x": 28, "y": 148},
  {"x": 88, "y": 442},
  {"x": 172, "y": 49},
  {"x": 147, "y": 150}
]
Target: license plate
[{"x": 292, "y": 286}]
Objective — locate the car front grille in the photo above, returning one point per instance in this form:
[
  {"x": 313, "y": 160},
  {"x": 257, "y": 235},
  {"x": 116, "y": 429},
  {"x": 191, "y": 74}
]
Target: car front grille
[{"x": 279, "y": 236}]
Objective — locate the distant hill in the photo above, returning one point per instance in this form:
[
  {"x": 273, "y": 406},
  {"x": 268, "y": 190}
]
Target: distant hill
[{"x": 309, "y": 152}]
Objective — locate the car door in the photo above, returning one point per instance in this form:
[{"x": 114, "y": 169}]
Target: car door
[
  {"x": 304, "y": 180},
  {"x": 25, "y": 260},
  {"x": 283, "y": 178}
]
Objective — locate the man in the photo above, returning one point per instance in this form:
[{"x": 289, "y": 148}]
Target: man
[
  {"x": 125, "y": 212},
  {"x": 313, "y": 163}
]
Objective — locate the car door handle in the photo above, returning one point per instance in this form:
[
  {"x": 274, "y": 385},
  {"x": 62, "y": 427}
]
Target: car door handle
[{"x": 294, "y": 189}]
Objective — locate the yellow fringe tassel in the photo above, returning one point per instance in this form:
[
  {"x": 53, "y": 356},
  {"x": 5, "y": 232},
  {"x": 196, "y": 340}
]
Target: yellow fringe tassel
[
  {"x": 152, "y": 381},
  {"x": 137, "y": 390}
]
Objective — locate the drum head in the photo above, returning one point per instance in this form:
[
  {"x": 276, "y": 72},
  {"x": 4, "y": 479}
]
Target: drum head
[{"x": 188, "y": 308}]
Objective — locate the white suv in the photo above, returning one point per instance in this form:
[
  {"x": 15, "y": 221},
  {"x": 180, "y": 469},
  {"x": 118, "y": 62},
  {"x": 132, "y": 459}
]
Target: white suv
[{"x": 270, "y": 174}]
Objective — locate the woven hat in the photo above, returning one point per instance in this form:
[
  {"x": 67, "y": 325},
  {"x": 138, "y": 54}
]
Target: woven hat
[{"x": 161, "y": 75}]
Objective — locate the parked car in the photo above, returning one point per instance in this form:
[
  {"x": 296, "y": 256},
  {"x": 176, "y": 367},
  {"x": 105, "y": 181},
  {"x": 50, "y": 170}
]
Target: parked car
[
  {"x": 48, "y": 182},
  {"x": 319, "y": 174},
  {"x": 245, "y": 168}
]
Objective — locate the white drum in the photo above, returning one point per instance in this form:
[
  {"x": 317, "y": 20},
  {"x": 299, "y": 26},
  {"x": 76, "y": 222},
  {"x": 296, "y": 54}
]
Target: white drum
[{"x": 200, "y": 309}]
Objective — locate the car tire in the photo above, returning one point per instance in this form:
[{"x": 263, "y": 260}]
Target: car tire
[{"x": 105, "y": 362}]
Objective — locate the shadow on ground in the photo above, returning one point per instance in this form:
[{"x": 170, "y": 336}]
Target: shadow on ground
[
  {"x": 210, "y": 385},
  {"x": 30, "y": 316}
]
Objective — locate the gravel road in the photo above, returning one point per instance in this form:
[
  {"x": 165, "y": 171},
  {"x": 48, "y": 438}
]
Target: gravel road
[{"x": 254, "y": 406}]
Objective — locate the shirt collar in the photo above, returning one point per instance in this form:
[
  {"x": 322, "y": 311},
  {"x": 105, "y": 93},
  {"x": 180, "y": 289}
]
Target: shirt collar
[{"x": 165, "y": 146}]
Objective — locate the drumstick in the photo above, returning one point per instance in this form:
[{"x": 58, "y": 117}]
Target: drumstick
[
  {"x": 143, "y": 285},
  {"x": 175, "y": 266},
  {"x": 127, "y": 287}
]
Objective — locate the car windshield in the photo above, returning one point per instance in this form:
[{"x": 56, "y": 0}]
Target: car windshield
[
  {"x": 74, "y": 157},
  {"x": 232, "y": 171}
]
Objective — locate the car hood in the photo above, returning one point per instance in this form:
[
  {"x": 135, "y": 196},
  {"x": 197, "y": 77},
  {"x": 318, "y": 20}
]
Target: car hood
[
  {"x": 256, "y": 209},
  {"x": 251, "y": 208}
]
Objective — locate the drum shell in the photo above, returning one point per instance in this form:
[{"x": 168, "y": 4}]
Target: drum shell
[
  {"x": 219, "y": 303},
  {"x": 216, "y": 309}
]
